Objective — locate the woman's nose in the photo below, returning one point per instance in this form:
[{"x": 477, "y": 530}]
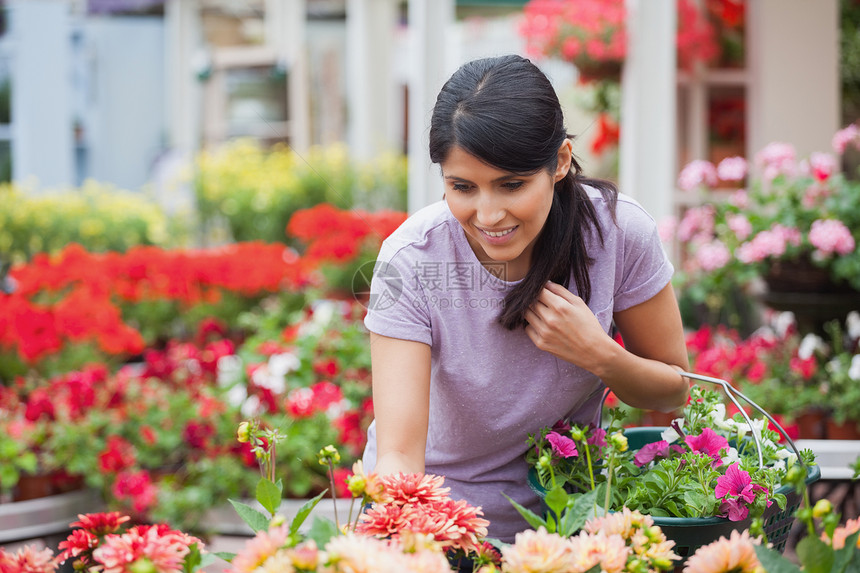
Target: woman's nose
[{"x": 490, "y": 210}]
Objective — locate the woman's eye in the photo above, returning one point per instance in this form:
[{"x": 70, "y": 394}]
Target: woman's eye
[
  {"x": 461, "y": 187},
  {"x": 512, "y": 185}
]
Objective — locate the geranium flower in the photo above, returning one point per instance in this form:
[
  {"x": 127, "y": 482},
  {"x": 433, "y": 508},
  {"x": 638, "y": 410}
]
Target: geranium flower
[
  {"x": 733, "y": 555},
  {"x": 562, "y": 445},
  {"x": 708, "y": 442}
]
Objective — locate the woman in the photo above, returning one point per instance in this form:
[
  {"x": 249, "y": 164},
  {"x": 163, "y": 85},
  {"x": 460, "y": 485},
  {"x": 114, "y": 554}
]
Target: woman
[{"x": 491, "y": 309}]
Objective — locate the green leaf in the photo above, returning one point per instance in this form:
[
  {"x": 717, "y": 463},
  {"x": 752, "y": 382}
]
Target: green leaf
[
  {"x": 575, "y": 517},
  {"x": 815, "y": 555},
  {"x": 322, "y": 530},
  {"x": 192, "y": 559},
  {"x": 303, "y": 512},
  {"x": 255, "y": 520},
  {"x": 225, "y": 555},
  {"x": 847, "y": 559},
  {"x": 556, "y": 500},
  {"x": 268, "y": 495},
  {"x": 532, "y": 518},
  {"x": 773, "y": 561}
]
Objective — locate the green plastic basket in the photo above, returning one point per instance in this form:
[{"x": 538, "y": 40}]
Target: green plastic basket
[{"x": 691, "y": 533}]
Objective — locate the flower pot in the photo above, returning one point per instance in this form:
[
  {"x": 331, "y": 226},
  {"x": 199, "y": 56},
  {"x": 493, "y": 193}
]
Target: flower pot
[
  {"x": 33, "y": 487},
  {"x": 811, "y": 424},
  {"x": 847, "y": 430},
  {"x": 810, "y": 293}
]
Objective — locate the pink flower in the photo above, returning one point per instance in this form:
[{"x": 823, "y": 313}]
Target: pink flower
[
  {"x": 732, "y": 169},
  {"x": 708, "y": 442},
  {"x": 734, "y": 509},
  {"x": 654, "y": 450},
  {"x": 845, "y": 136},
  {"x": 597, "y": 437},
  {"x": 562, "y": 445},
  {"x": 415, "y": 488},
  {"x": 28, "y": 559},
  {"x": 667, "y": 228},
  {"x": 776, "y": 159},
  {"x": 713, "y": 255},
  {"x": 261, "y": 547},
  {"x": 831, "y": 236},
  {"x": 79, "y": 541},
  {"x": 697, "y": 172},
  {"x": 822, "y": 165},
  {"x": 698, "y": 221},
  {"x": 768, "y": 243},
  {"x": 840, "y": 534},
  {"x": 736, "y": 483},
  {"x": 163, "y": 548},
  {"x": 739, "y": 225},
  {"x": 136, "y": 487},
  {"x": 737, "y": 553},
  {"x": 740, "y": 199}
]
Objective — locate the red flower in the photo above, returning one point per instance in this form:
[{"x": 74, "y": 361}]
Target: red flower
[
  {"x": 118, "y": 455},
  {"x": 39, "y": 405},
  {"x": 197, "y": 434},
  {"x": 327, "y": 368},
  {"x": 137, "y": 488},
  {"x": 78, "y": 542},
  {"x": 805, "y": 367},
  {"x": 100, "y": 523}
]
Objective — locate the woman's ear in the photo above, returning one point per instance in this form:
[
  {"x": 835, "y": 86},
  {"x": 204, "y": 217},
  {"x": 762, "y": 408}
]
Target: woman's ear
[{"x": 565, "y": 157}]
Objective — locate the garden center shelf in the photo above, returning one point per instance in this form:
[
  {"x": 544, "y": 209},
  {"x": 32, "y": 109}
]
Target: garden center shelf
[
  {"x": 834, "y": 457},
  {"x": 45, "y": 516}
]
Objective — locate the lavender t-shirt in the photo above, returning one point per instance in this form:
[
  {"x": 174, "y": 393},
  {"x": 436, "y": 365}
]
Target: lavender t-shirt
[{"x": 491, "y": 387}]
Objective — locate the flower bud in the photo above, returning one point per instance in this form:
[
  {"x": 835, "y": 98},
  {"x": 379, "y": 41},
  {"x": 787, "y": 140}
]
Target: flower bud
[
  {"x": 244, "y": 432},
  {"x": 544, "y": 462},
  {"x": 356, "y": 484},
  {"x": 328, "y": 453},
  {"x": 143, "y": 565},
  {"x": 619, "y": 440},
  {"x": 795, "y": 475},
  {"x": 577, "y": 434},
  {"x": 822, "y": 507},
  {"x": 662, "y": 563},
  {"x": 277, "y": 521}
]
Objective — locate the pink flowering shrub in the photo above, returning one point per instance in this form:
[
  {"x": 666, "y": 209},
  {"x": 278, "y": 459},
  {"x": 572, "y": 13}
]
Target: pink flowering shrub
[{"x": 790, "y": 211}]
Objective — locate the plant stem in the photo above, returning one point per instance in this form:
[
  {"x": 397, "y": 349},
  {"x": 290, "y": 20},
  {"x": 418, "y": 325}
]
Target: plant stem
[
  {"x": 609, "y": 484},
  {"x": 349, "y": 517},
  {"x": 588, "y": 460},
  {"x": 333, "y": 492}
]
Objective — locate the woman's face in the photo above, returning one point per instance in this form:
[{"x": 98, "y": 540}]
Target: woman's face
[{"x": 502, "y": 212}]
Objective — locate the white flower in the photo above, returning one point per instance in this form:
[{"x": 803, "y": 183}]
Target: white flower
[
  {"x": 743, "y": 428},
  {"x": 237, "y": 395},
  {"x": 854, "y": 369},
  {"x": 718, "y": 417},
  {"x": 782, "y": 322},
  {"x": 810, "y": 343},
  {"x": 283, "y": 364},
  {"x": 265, "y": 378},
  {"x": 229, "y": 370},
  {"x": 669, "y": 434},
  {"x": 731, "y": 457},
  {"x": 852, "y": 322},
  {"x": 251, "y": 407},
  {"x": 787, "y": 456}
]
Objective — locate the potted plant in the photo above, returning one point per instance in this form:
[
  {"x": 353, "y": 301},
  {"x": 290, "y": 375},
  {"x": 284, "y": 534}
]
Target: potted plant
[
  {"x": 794, "y": 226},
  {"x": 702, "y": 477}
]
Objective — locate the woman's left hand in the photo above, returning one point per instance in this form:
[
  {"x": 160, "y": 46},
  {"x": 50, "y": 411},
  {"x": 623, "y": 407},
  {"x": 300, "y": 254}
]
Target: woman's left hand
[{"x": 560, "y": 323}]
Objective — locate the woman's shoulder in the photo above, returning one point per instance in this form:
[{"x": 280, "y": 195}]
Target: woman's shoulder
[
  {"x": 624, "y": 214},
  {"x": 428, "y": 229}
]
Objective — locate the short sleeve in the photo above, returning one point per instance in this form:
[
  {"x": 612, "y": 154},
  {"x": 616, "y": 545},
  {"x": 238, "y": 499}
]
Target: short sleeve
[
  {"x": 396, "y": 307},
  {"x": 645, "y": 267}
]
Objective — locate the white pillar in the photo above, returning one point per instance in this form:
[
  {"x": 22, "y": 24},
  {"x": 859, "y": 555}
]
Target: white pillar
[
  {"x": 794, "y": 65},
  {"x": 430, "y": 28},
  {"x": 370, "y": 28},
  {"x": 286, "y": 27},
  {"x": 648, "y": 107},
  {"x": 184, "y": 55},
  {"x": 42, "y": 136}
]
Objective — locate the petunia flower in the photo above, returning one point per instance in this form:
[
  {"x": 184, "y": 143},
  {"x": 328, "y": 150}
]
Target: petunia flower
[
  {"x": 708, "y": 442},
  {"x": 654, "y": 450},
  {"x": 562, "y": 445},
  {"x": 734, "y": 509},
  {"x": 597, "y": 437},
  {"x": 736, "y": 483}
]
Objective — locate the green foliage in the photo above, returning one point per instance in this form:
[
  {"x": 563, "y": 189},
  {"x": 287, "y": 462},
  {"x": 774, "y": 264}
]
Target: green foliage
[
  {"x": 97, "y": 216},
  {"x": 254, "y": 192}
]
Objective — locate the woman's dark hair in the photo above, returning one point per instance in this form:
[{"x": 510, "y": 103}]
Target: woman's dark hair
[{"x": 505, "y": 112}]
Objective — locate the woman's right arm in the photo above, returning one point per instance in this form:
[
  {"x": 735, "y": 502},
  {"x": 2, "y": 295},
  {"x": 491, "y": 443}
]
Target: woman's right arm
[{"x": 401, "y": 403}]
